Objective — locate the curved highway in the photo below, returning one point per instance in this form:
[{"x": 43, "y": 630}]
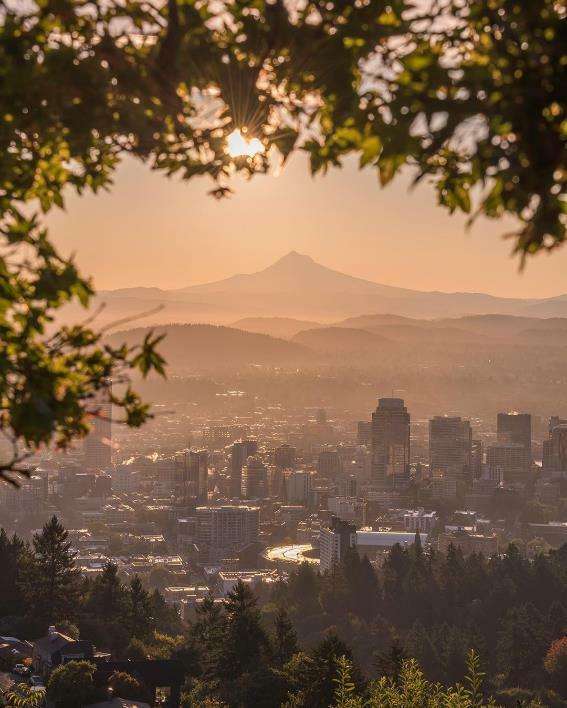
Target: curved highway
[{"x": 295, "y": 553}]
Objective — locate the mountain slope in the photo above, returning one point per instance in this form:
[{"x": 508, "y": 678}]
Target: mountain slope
[
  {"x": 292, "y": 270},
  {"x": 341, "y": 340},
  {"x": 208, "y": 347},
  {"x": 285, "y": 327},
  {"x": 297, "y": 287}
]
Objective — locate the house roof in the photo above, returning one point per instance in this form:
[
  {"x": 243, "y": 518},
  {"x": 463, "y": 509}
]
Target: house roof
[{"x": 52, "y": 643}]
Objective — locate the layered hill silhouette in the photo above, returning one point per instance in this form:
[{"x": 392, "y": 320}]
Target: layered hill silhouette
[
  {"x": 285, "y": 327},
  {"x": 366, "y": 331},
  {"x": 395, "y": 341},
  {"x": 342, "y": 340},
  {"x": 297, "y": 287},
  {"x": 197, "y": 346}
]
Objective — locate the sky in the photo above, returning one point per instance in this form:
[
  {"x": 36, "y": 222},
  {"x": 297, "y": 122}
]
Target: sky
[{"x": 154, "y": 231}]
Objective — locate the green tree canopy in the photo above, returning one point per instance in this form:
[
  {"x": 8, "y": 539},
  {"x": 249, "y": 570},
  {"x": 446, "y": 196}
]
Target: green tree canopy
[
  {"x": 126, "y": 686},
  {"x": 72, "y": 685},
  {"x": 21, "y": 695},
  {"x": 51, "y": 581}
]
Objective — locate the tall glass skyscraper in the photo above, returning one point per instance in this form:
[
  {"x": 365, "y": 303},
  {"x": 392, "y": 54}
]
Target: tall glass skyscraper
[{"x": 390, "y": 443}]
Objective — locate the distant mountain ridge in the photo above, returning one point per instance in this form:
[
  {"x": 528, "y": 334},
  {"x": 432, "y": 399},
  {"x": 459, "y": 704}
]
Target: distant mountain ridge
[
  {"x": 197, "y": 346},
  {"x": 397, "y": 342},
  {"x": 297, "y": 287}
]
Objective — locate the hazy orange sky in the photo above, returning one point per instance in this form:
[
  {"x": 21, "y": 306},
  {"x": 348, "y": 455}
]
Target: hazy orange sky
[{"x": 152, "y": 231}]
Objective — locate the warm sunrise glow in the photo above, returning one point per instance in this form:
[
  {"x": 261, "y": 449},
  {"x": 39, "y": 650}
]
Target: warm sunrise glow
[{"x": 239, "y": 146}]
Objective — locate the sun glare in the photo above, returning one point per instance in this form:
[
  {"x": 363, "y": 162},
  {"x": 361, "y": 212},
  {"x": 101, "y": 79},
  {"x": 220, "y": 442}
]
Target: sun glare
[{"x": 239, "y": 146}]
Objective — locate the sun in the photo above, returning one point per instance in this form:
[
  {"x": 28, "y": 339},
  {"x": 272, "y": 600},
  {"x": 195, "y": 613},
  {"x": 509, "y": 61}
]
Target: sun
[{"x": 239, "y": 146}]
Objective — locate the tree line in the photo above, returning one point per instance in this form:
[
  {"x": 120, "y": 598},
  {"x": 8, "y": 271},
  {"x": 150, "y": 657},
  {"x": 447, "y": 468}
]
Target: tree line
[
  {"x": 453, "y": 627},
  {"x": 42, "y": 586}
]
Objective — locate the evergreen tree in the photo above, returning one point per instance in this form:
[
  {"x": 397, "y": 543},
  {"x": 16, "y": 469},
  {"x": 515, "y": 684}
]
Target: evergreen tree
[
  {"x": 394, "y": 571},
  {"x": 304, "y": 589},
  {"x": 362, "y": 584},
  {"x": 140, "y": 619},
  {"x": 557, "y": 619},
  {"x": 323, "y": 672},
  {"x": 164, "y": 616},
  {"x": 208, "y": 632},
  {"x": 522, "y": 643},
  {"x": 51, "y": 584},
  {"x": 14, "y": 556},
  {"x": 108, "y": 597},
  {"x": 389, "y": 663},
  {"x": 285, "y": 638},
  {"x": 105, "y": 619},
  {"x": 245, "y": 641}
]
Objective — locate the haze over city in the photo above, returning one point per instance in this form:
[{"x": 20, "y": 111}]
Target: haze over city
[{"x": 277, "y": 430}]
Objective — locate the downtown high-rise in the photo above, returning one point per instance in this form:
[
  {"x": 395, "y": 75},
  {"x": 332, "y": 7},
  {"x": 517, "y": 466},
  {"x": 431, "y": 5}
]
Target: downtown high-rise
[
  {"x": 450, "y": 448},
  {"x": 390, "y": 443},
  {"x": 241, "y": 451}
]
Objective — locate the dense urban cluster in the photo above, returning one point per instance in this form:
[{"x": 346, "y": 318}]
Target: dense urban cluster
[{"x": 288, "y": 557}]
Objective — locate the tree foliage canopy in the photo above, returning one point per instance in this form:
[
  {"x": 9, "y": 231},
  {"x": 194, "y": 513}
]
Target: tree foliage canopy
[{"x": 470, "y": 95}]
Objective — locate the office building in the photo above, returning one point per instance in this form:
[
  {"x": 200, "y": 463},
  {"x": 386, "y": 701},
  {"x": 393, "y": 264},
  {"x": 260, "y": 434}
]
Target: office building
[
  {"x": 555, "y": 448},
  {"x": 217, "y": 437},
  {"x": 515, "y": 429},
  {"x": 297, "y": 486},
  {"x": 222, "y": 530},
  {"x": 507, "y": 463},
  {"x": 284, "y": 457},
  {"x": 364, "y": 432},
  {"x": 390, "y": 443},
  {"x": 347, "y": 508},
  {"x": 334, "y": 542},
  {"x": 275, "y": 482},
  {"x": 97, "y": 446},
  {"x": 477, "y": 458},
  {"x": 348, "y": 486},
  {"x": 450, "y": 448},
  {"x": 420, "y": 520},
  {"x": 254, "y": 479},
  {"x": 240, "y": 452},
  {"x": 329, "y": 464},
  {"x": 198, "y": 474}
]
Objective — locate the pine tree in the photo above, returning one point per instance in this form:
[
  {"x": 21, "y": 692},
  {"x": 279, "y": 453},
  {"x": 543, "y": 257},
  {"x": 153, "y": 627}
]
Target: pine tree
[
  {"x": 140, "y": 616},
  {"x": 108, "y": 597},
  {"x": 14, "y": 556},
  {"x": 164, "y": 616},
  {"x": 51, "y": 584},
  {"x": 557, "y": 620},
  {"x": 522, "y": 643},
  {"x": 395, "y": 568},
  {"x": 208, "y": 632},
  {"x": 304, "y": 589},
  {"x": 245, "y": 639},
  {"x": 323, "y": 672},
  {"x": 389, "y": 663},
  {"x": 363, "y": 586},
  {"x": 285, "y": 638}
]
